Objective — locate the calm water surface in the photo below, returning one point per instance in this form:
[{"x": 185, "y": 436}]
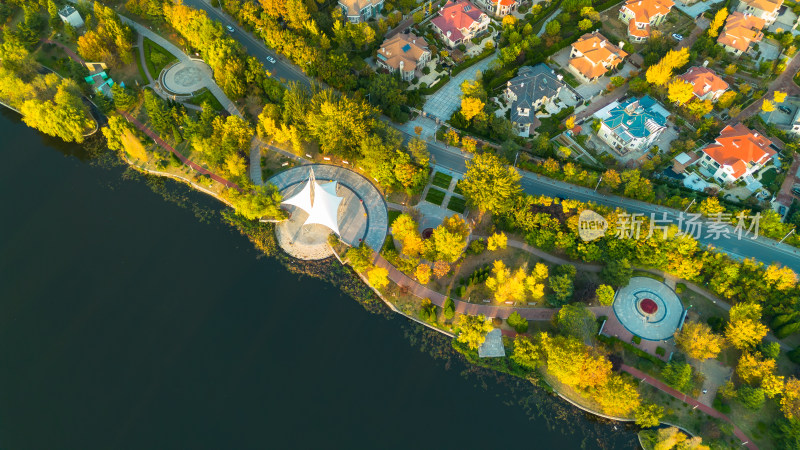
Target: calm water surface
[{"x": 126, "y": 321}]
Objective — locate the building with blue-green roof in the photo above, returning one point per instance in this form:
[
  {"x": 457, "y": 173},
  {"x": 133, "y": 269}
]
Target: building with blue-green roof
[{"x": 633, "y": 124}]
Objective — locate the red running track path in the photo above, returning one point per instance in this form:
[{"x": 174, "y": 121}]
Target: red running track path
[
  {"x": 691, "y": 401},
  {"x": 184, "y": 159}
]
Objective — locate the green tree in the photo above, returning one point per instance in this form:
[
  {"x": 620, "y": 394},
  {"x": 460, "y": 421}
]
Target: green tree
[
  {"x": 261, "y": 201},
  {"x": 472, "y": 330},
  {"x": 449, "y": 309},
  {"x": 360, "y": 257},
  {"x": 678, "y": 375},
  {"x": 519, "y": 323},
  {"x": 553, "y": 28},
  {"x": 617, "y": 272},
  {"x": 562, "y": 288},
  {"x": 576, "y": 320},
  {"x": 752, "y": 398},
  {"x": 649, "y": 415}
]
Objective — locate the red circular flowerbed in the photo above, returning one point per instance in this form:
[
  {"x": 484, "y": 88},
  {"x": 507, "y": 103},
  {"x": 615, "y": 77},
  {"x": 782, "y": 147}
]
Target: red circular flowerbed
[{"x": 648, "y": 306}]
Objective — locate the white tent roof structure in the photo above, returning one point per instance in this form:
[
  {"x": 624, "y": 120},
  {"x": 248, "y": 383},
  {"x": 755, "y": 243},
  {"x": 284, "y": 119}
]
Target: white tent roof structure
[{"x": 320, "y": 202}]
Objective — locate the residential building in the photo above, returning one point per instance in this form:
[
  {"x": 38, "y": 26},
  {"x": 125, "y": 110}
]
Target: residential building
[
  {"x": 740, "y": 32},
  {"x": 768, "y": 10},
  {"x": 70, "y": 15},
  {"x": 102, "y": 83},
  {"x": 796, "y": 124},
  {"x": 707, "y": 85},
  {"x": 633, "y": 124},
  {"x": 593, "y": 55},
  {"x": 528, "y": 91},
  {"x": 360, "y": 10},
  {"x": 642, "y": 15},
  {"x": 737, "y": 153},
  {"x": 498, "y": 8},
  {"x": 404, "y": 53},
  {"x": 460, "y": 21}
]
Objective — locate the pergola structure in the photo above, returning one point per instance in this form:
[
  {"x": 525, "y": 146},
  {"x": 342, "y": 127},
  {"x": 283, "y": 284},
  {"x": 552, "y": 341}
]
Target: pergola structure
[{"x": 319, "y": 201}]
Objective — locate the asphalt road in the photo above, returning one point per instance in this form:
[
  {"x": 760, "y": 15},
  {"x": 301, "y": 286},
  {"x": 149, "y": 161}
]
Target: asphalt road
[
  {"x": 281, "y": 69},
  {"x": 762, "y": 249}
]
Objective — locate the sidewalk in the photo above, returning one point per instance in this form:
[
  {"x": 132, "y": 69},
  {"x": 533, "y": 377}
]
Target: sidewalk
[{"x": 691, "y": 401}]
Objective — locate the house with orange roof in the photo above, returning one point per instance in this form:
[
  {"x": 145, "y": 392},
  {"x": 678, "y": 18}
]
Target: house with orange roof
[
  {"x": 768, "y": 10},
  {"x": 740, "y": 32},
  {"x": 736, "y": 154},
  {"x": 498, "y": 8},
  {"x": 707, "y": 85},
  {"x": 642, "y": 15},
  {"x": 593, "y": 55},
  {"x": 360, "y": 10},
  {"x": 459, "y": 21},
  {"x": 404, "y": 54}
]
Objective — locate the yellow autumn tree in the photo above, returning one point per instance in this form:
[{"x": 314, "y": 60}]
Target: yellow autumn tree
[
  {"x": 767, "y": 106},
  {"x": 423, "y": 273},
  {"x": 133, "y": 146},
  {"x": 781, "y": 278},
  {"x": 698, "y": 341},
  {"x": 570, "y": 123},
  {"x": 472, "y": 330},
  {"x": 535, "y": 281},
  {"x": 679, "y": 91},
  {"x": 790, "y": 399},
  {"x": 618, "y": 397},
  {"x": 505, "y": 284},
  {"x": 573, "y": 363},
  {"x": 779, "y": 97},
  {"x": 719, "y": 20},
  {"x": 497, "y": 241},
  {"x": 471, "y": 107},
  {"x": 378, "y": 277},
  {"x": 744, "y": 329},
  {"x": 658, "y": 74}
]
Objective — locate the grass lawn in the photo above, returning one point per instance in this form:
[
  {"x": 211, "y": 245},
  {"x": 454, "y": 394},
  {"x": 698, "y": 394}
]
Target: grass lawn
[
  {"x": 156, "y": 57},
  {"x": 393, "y": 214},
  {"x": 569, "y": 78},
  {"x": 442, "y": 180},
  {"x": 435, "y": 196},
  {"x": 457, "y": 204},
  {"x": 206, "y": 96},
  {"x": 457, "y": 190}
]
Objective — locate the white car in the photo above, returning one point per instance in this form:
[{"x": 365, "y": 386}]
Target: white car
[
  {"x": 677, "y": 37},
  {"x": 230, "y": 28},
  {"x": 271, "y": 59}
]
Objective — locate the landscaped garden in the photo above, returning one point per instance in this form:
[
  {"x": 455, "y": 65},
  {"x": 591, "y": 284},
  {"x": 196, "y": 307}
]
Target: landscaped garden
[{"x": 156, "y": 57}]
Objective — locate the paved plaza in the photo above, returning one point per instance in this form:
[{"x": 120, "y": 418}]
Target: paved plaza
[
  {"x": 186, "y": 77},
  {"x": 362, "y": 215},
  {"x": 648, "y": 308},
  {"x": 447, "y": 100}
]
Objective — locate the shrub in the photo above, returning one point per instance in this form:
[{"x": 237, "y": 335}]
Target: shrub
[
  {"x": 637, "y": 340},
  {"x": 660, "y": 351},
  {"x": 497, "y": 322},
  {"x": 716, "y": 324},
  {"x": 449, "y": 309},
  {"x": 462, "y": 47},
  {"x": 680, "y": 288},
  {"x": 794, "y": 355},
  {"x": 721, "y": 406},
  {"x": 426, "y": 70}
]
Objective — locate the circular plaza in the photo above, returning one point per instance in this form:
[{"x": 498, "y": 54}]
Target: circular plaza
[
  {"x": 186, "y": 77},
  {"x": 648, "y": 308},
  {"x": 321, "y": 199}
]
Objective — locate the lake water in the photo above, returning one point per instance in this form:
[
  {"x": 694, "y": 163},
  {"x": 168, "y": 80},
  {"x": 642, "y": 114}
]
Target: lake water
[{"x": 131, "y": 318}]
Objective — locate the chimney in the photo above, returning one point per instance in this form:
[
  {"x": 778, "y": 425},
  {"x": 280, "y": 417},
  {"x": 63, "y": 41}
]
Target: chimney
[
  {"x": 705, "y": 63},
  {"x": 621, "y": 44},
  {"x": 401, "y": 65},
  {"x": 602, "y": 44},
  {"x": 594, "y": 44}
]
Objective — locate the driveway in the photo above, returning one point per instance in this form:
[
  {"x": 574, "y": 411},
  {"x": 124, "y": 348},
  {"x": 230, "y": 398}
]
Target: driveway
[
  {"x": 447, "y": 99},
  {"x": 783, "y": 83}
]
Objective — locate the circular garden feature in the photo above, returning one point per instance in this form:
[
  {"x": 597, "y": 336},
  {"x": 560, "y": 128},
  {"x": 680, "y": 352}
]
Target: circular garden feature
[{"x": 648, "y": 308}]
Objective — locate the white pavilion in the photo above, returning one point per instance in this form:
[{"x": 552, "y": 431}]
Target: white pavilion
[{"x": 319, "y": 201}]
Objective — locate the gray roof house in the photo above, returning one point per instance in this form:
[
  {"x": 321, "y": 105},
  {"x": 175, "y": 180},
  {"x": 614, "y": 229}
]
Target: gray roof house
[
  {"x": 528, "y": 91},
  {"x": 356, "y": 11},
  {"x": 71, "y": 16}
]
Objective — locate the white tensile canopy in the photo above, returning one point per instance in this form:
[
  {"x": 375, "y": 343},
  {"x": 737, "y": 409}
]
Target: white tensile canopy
[{"x": 319, "y": 201}]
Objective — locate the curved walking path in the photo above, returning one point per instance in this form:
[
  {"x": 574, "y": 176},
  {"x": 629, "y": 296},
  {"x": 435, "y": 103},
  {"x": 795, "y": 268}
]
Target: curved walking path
[
  {"x": 377, "y": 215},
  {"x": 691, "y": 401},
  {"x": 180, "y": 156}
]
